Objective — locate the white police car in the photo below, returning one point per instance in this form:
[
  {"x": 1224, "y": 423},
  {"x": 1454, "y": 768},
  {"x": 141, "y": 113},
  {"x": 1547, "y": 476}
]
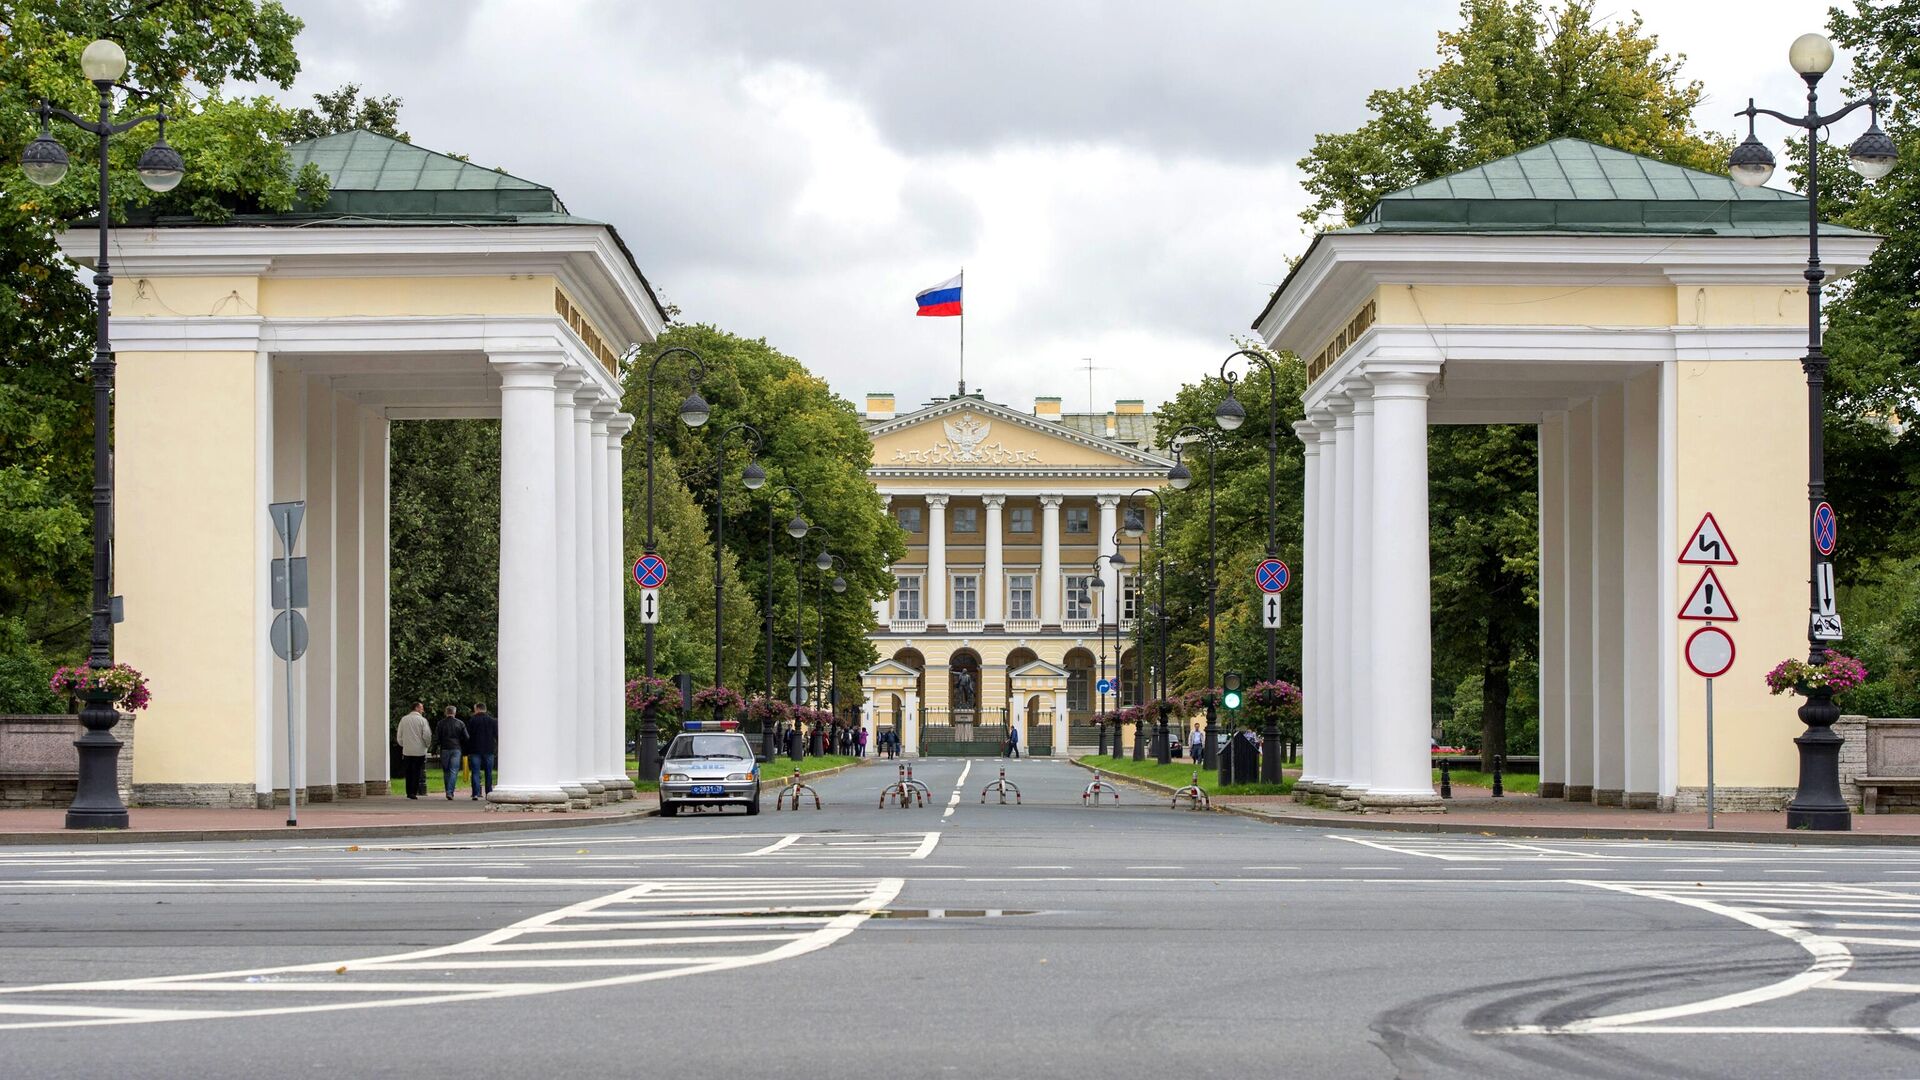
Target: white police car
[{"x": 709, "y": 763}]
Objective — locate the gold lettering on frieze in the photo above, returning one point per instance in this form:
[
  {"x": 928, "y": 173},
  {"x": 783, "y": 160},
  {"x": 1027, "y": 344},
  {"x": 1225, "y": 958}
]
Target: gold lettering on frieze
[{"x": 1337, "y": 347}]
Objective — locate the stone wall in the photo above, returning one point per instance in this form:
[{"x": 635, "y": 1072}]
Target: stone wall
[
  {"x": 1732, "y": 799},
  {"x": 39, "y": 766}
]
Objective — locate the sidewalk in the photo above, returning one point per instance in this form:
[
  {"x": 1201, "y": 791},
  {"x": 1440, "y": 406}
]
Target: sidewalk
[
  {"x": 1474, "y": 810},
  {"x": 375, "y": 816}
]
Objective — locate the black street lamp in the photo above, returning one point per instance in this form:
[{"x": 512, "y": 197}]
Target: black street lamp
[
  {"x": 1181, "y": 477},
  {"x": 823, "y": 685},
  {"x": 694, "y": 411},
  {"x": 96, "y": 799},
  {"x": 753, "y": 477},
  {"x": 1099, "y": 587},
  {"x": 797, "y": 528},
  {"x": 1134, "y": 524},
  {"x": 1818, "y": 802},
  {"x": 1230, "y": 414}
]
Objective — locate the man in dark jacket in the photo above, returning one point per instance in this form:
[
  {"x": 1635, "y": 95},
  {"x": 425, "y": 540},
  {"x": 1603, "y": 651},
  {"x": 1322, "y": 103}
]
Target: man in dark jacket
[
  {"x": 451, "y": 735},
  {"x": 483, "y": 747}
]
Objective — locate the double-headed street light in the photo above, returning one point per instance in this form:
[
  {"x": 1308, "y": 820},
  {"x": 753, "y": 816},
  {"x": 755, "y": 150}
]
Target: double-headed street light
[
  {"x": 694, "y": 411},
  {"x": 1134, "y": 524},
  {"x": 753, "y": 477},
  {"x": 823, "y": 686},
  {"x": 1230, "y": 414},
  {"x": 797, "y": 528},
  {"x": 1098, "y": 585},
  {"x": 1818, "y": 802},
  {"x": 1181, "y": 478},
  {"x": 96, "y": 799}
]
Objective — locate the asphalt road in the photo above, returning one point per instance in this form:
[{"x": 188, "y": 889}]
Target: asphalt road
[{"x": 1045, "y": 939}]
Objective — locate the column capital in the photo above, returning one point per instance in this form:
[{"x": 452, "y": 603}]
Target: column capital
[
  {"x": 1360, "y": 393},
  {"x": 619, "y": 424},
  {"x": 995, "y": 501},
  {"x": 585, "y": 396},
  {"x": 1309, "y": 434},
  {"x": 886, "y": 500},
  {"x": 604, "y": 410},
  {"x": 566, "y": 382},
  {"x": 1400, "y": 379},
  {"x": 1107, "y": 502},
  {"x": 937, "y": 502},
  {"x": 1052, "y": 501},
  {"x": 526, "y": 369}
]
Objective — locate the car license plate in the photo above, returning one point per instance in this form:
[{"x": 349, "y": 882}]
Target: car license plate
[{"x": 707, "y": 789}]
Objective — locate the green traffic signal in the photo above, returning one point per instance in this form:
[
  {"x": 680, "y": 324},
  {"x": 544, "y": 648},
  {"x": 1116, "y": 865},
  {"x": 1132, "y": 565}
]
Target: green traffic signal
[{"x": 1230, "y": 684}]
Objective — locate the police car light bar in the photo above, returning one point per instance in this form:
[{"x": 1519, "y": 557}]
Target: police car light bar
[{"x": 710, "y": 725}]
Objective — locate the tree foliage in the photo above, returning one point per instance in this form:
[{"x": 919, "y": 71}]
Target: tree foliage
[
  {"x": 444, "y": 606},
  {"x": 345, "y": 110}
]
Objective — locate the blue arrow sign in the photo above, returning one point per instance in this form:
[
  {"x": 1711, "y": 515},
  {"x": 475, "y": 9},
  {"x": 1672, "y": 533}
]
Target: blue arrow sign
[
  {"x": 650, "y": 571},
  {"x": 1104, "y": 686},
  {"x": 1272, "y": 576}
]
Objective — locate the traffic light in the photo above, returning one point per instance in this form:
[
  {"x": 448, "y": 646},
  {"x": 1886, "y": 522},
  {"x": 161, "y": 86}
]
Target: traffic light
[{"x": 1230, "y": 687}]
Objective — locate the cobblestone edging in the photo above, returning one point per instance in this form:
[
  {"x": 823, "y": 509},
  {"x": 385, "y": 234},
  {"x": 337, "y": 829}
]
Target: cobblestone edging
[{"x": 1729, "y": 800}]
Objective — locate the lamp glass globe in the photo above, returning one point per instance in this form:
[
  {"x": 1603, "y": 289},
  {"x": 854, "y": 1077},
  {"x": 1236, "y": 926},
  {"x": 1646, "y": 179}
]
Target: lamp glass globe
[
  {"x": 1810, "y": 54},
  {"x": 103, "y": 61}
]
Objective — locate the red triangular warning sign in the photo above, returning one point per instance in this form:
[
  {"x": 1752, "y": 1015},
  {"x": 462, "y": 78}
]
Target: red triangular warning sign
[
  {"x": 1708, "y": 602},
  {"x": 1708, "y": 545}
]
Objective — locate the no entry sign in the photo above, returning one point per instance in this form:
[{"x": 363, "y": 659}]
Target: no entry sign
[{"x": 1710, "y": 652}]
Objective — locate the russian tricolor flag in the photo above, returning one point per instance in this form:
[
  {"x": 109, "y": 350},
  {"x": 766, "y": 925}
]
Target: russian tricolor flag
[{"x": 941, "y": 299}]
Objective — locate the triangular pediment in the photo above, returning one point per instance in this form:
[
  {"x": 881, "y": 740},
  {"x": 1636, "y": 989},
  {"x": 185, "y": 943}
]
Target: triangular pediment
[
  {"x": 1039, "y": 669},
  {"x": 890, "y": 668},
  {"x": 972, "y": 433}
]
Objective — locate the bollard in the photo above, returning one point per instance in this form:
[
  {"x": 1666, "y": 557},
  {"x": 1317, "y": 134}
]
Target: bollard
[
  {"x": 1498, "y": 791},
  {"x": 920, "y": 790},
  {"x": 1098, "y": 788},
  {"x": 1003, "y": 786},
  {"x": 1196, "y": 797},
  {"x": 795, "y": 787},
  {"x": 1446, "y": 778},
  {"x": 906, "y": 791}
]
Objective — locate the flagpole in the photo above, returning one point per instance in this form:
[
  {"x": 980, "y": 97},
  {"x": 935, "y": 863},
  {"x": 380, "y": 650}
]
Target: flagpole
[{"x": 963, "y": 333}]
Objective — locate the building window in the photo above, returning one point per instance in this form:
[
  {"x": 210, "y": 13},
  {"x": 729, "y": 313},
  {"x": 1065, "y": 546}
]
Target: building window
[
  {"x": 1079, "y": 691},
  {"x": 1020, "y": 519},
  {"x": 1079, "y": 597},
  {"x": 1129, "y": 597},
  {"x": 966, "y": 596},
  {"x": 1020, "y": 596},
  {"x": 1077, "y": 519},
  {"x": 966, "y": 519},
  {"x": 909, "y": 518},
  {"x": 906, "y": 597}
]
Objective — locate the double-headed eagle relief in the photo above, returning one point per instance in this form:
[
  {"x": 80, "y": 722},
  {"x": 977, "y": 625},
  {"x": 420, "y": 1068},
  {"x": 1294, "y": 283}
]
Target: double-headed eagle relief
[{"x": 967, "y": 444}]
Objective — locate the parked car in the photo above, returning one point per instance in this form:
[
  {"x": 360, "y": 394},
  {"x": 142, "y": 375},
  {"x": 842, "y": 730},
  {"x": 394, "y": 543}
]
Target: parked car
[{"x": 709, "y": 763}]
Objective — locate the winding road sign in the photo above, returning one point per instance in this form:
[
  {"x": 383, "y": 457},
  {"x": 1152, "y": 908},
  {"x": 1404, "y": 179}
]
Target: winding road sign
[
  {"x": 650, "y": 571},
  {"x": 1708, "y": 545}
]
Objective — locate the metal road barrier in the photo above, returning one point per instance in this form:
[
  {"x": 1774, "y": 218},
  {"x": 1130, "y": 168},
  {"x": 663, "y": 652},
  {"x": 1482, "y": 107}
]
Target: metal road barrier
[
  {"x": 1196, "y": 798},
  {"x": 794, "y": 787},
  {"x": 1446, "y": 779},
  {"x": 1498, "y": 791},
  {"x": 1002, "y": 785},
  {"x": 1098, "y": 788},
  {"x": 906, "y": 791}
]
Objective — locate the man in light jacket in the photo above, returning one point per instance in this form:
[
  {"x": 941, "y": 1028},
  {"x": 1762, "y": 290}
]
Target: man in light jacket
[{"x": 415, "y": 739}]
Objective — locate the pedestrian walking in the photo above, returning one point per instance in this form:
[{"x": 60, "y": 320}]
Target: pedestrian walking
[
  {"x": 1013, "y": 741},
  {"x": 451, "y": 735},
  {"x": 483, "y": 748},
  {"x": 860, "y": 743},
  {"x": 1199, "y": 743},
  {"x": 415, "y": 737}
]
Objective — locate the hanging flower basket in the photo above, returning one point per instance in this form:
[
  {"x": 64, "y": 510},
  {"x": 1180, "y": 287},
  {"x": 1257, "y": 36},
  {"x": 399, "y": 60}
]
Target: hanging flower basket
[
  {"x": 765, "y": 710},
  {"x": 128, "y": 686},
  {"x": 724, "y": 698},
  {"x": 661, "y": 695},
  {"x": 1279, "y": 698},
  {"x": 1839, "y": 675}
]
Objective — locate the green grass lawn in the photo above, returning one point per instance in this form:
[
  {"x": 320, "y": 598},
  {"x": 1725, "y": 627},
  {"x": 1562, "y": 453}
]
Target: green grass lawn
[
  {"x": 1528, "y": 783},
  {"x": 780, "y": 768},
  {"x": 1180, "y": 773}
]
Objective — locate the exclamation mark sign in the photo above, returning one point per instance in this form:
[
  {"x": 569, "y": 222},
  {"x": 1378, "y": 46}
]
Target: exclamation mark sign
[{"x": 1709, "y": 597}]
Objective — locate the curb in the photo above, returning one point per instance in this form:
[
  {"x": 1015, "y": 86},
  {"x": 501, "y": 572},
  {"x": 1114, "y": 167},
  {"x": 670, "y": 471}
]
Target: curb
[
  {"x": 326, "y": 832},
  {"x": 1154, "y": 786}
]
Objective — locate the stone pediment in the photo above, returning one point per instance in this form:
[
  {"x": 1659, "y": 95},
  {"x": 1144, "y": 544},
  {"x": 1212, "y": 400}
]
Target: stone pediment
[
  {"x": 973, "y": 434},
  {"x": 890, "y": 669},
  {"x": 1039, "y": 669}
]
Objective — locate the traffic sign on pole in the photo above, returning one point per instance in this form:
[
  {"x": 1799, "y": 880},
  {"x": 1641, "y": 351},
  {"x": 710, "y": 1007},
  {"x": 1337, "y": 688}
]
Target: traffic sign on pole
[
  {"x": 289, "y": 635},
  {"x": 1708, "y": 602},
  {"x": 1826, "y": 528},
  {"x": 1710, "y": 652},
  {"x": 1270, "y": 611},
  {"x": 1104, "y": 686},
  {"x": 650, "y": 571},
  {"x": 1272, "y": 576},
  {"x": 649, "y": 606},
  {"x": 1708, "y": 545}
]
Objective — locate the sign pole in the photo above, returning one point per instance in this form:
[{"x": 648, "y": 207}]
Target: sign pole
[
  {"x": 1709, "y": 753},
  {"x": 293, "y": 796}
]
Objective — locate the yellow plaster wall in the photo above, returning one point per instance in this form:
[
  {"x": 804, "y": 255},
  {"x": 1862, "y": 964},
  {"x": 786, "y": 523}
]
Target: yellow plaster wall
[
  {"x": 1526, "y": 305},
  {"x": 1740, "y": 305},
  {"x": 524, "y": 294},
  {"x": 1050, "y": 450},
  {"x": 1741, "y": 453},
  {"x": 160, "y": 297},
  {"x": 185, "y": 559}
]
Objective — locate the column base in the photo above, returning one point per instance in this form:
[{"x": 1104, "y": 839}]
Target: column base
[
  {"x": 319, "y": 793},
  {"x": 1643, "y": 800},
  {"x": 596, "y": 791},
  {"x": 551, "y": 799},
  {"x": 1579, "y": 792},
  {"x": 1552, "y": 789},
  {"x": 350, "y": 791},
  {"x": 1401, "y": 802},
  {"x": 576, "y": 794},
  {"x": 1609, "y": 797},
  {"x": 619, "y": 788}
]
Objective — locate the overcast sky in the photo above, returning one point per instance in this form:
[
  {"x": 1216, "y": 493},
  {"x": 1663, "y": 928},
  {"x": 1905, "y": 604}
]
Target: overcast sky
[{"x": 1118, "y": 179}]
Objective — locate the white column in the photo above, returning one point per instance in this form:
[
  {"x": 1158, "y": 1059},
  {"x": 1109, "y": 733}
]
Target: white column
[
  {"x": 1402, "y": 603},
  {"x": 934, "y": 591},
  {"x": 1644, "y": 564},
  {"x": 348, "y": 753},
  {"x": 601, "y": 652},
  {"x": 1110, "y": 595},
  {"x": 1313, "y": 747},
  {"x": 1578, "y": 483},
  {"x": 375, "y": 665},
  {"x": 1552, "y": 438},
  {"x": 1609, "y": 601},
  {"x": 1370, "y": 737},
  {"x": 910, "y": 723},
  {"x": 589, "y": 588},
  {"x": 290, "y": 448},
  {"x": 613, "y": 744},
  {"x": 993, "y": 587},
  {"x": 1050, "y": 563},
  {"x": 531, "y": 768},
  {"x": 1060, "y": 713},
  {"x": 317, "y": 763},
  {"x": 868, "y": 720},
  {"x": 570, "y": 689},
  {"x": 1339, "y": 623}
]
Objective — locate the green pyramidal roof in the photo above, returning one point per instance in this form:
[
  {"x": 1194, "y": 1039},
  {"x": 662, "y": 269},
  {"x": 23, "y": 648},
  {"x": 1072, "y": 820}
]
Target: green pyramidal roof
[
  {"x": 1570, "y": 185},
  {"x": 373, "y": 175}
]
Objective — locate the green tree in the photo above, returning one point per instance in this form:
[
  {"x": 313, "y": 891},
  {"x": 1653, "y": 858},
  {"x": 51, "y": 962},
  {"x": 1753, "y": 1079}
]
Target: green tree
[
  {"x": 184, "y": 52},
  {"x": 683, "y": 640},
  {"x": 346, "y": 110},
  {"x": 1515, "y": 73},
  {"x": 444, "y": 497}
]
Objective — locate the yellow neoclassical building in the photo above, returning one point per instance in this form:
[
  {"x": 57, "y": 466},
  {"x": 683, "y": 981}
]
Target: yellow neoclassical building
[{"x": 996, "y": 619}]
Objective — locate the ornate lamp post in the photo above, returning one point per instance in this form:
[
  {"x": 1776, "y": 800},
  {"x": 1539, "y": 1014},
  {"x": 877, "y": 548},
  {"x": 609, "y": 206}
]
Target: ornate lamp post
[
  {"x": 753, "y": 477},
  {"x": 96, "y": 800},
  {"x": 1230, "y": 414},
  {"x": 1099, "y": 587},
  {"x": 1818, "y": 802},
  {"x": 823, "y": 686},
  {"x": 797, "y": 528},
  {"x": 1134, "y": 524},
  {"x": 694, "y": 411},
  {"x": 1181, "y": 478}
]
